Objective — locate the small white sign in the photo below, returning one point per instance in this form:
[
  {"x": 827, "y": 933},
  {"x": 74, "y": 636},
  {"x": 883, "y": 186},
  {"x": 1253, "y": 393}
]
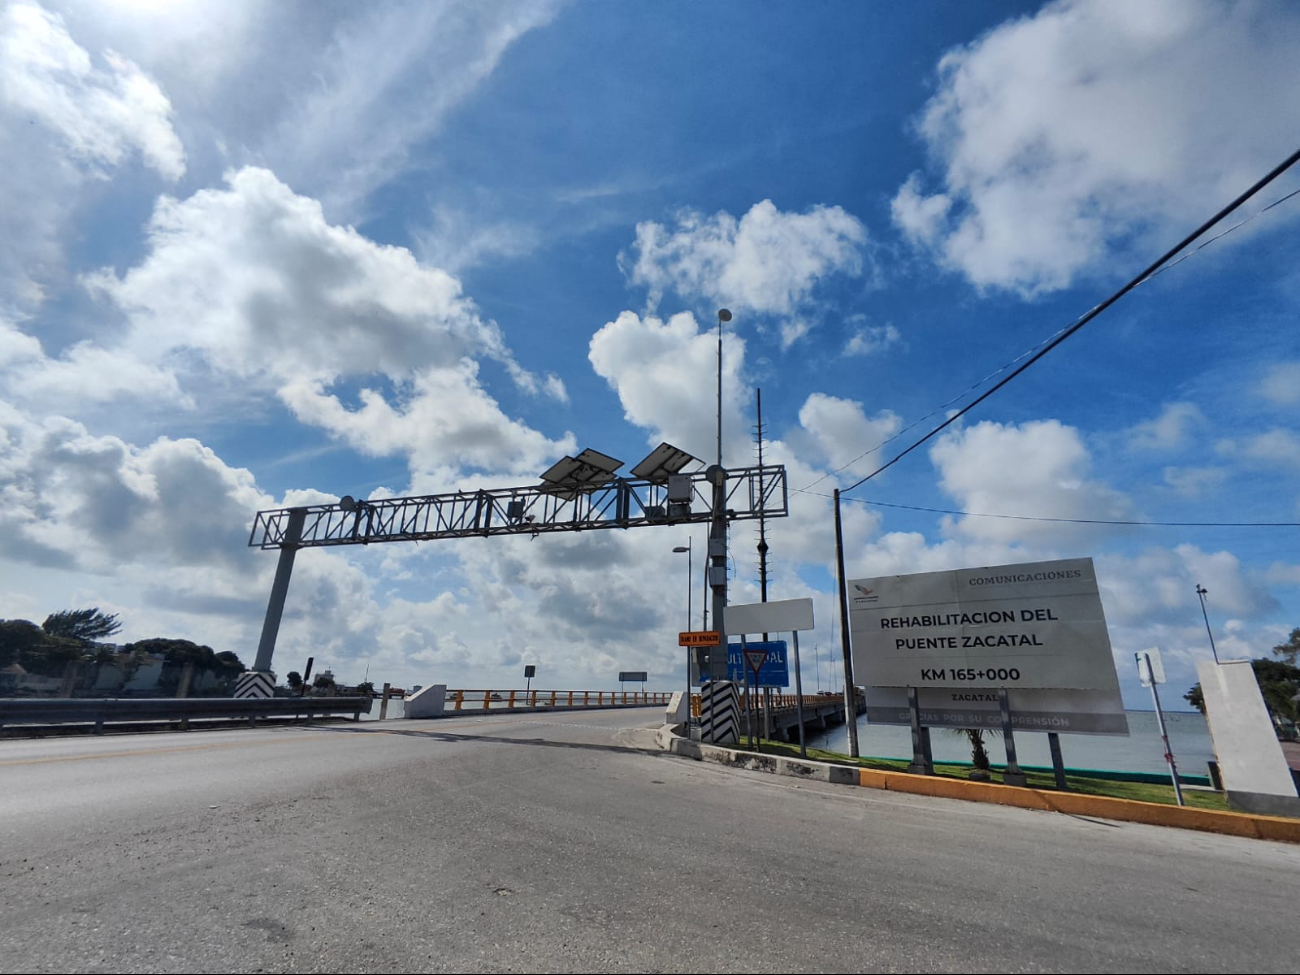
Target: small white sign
[
  {"x": 1150, "y": 667},
  {"x": 780, "y": 616}
]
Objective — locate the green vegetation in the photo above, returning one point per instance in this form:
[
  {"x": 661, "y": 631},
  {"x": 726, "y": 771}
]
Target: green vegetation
[
  {"x": 1046, "y": 781},
  {"x": 73, "y": 637}
]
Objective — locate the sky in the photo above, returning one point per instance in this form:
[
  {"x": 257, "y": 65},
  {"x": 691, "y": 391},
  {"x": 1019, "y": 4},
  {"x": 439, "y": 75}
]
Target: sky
[{"x": 257, "y": 255}]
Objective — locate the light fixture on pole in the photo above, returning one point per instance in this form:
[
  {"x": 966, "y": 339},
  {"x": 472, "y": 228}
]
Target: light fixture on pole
[
  {"x": 690, "y": 585},
  {"x": 1201, "y": 592}
]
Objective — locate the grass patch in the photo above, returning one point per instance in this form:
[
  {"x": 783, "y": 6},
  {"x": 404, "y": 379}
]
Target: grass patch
[{"x": 1140, "y": 791}]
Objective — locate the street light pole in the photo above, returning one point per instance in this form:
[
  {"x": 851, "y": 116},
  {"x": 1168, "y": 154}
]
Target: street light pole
[
  {"x": 1201, "y": 592},
  {"x": 717, "y": 571}
]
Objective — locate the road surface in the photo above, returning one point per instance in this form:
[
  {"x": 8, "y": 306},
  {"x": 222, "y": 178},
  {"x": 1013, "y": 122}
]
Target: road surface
[{"x": 562, "y": 842}]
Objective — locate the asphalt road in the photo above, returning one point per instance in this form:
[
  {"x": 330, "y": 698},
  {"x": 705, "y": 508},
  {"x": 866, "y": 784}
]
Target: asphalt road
[{"x": 560, "y": 842}]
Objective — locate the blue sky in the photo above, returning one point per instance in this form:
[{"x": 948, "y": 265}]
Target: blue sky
[{"x": 257, "y": 255}]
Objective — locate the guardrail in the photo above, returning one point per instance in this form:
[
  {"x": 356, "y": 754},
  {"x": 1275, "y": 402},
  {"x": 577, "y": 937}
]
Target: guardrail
[
  {"x": 102, "y": 711},
  {"x": 458, "y": 700}
]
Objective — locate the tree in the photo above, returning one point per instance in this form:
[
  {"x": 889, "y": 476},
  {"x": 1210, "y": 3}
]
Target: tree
[
  {"x": 25, "y": 643},
  {"x": 85, "y": 626},
  {"x": 1291, "y": 649},
  {"x": 295, "y": 680},
  {"x": 365, "y": 688},
  {"x": 176, "y": 653}
]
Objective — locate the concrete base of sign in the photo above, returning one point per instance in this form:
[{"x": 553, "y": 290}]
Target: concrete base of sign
[
  {"x": 1263, "y": 803},
  {"x": 1255, "y": 773},
  {"x": 428, "y": 702},
  {"x": 679, "y": 709}
]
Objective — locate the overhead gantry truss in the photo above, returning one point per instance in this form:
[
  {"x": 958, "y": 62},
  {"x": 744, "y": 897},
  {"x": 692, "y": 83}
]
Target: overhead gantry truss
[{"x": 564, "y": 504}]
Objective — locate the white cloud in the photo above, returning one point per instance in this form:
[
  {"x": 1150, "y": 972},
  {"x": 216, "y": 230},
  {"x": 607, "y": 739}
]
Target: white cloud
[
  {"x": 1038, "y": 469},
  {"x": 97, "y": 502},
  {"x": 1194, "y": 482},
  {"x": 100, "y": 114},
  {"x": 665, "y": 373},
  {"x": 767, "y": 262},
  {"x": 1278, "y": 447},
  {"x": 839, "y": 431},
  {"x": 1062, "y": 135},
  {"x": 385, "y": 82},
  {"x": 872, "y": 339},
  {"x": 256, "y": 283},
  {"x": 1281, "y": 384},
  {"x": 792, "y": 331},
  {"x": 1168, "y": 431},
  {"x": 84, "y": 373}
]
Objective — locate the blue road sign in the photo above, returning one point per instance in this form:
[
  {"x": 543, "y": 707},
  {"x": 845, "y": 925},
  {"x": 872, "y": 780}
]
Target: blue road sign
[{"x": 775, "y": 671}]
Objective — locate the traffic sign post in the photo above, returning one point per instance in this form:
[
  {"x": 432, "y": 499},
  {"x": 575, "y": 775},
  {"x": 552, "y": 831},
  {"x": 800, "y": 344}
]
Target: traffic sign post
[{"x": 1151, "y": 671}]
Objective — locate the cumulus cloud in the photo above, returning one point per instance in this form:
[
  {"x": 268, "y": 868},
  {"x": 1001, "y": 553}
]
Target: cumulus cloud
[
  {"x": 665, "y": 374},
  {"x": 1040, "y": 469},
  {"x": 255, "y": 282},
  {"x": 1061, "y": 137},
  {"x": 101, "y": 114},
  {"x": 840, "y": 431},
  {"x": 767, "y": 262},
  {"x": 1168, "y": 431}
]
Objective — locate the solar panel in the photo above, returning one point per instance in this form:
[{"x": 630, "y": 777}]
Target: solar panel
[{"x": 662, "y": 462}]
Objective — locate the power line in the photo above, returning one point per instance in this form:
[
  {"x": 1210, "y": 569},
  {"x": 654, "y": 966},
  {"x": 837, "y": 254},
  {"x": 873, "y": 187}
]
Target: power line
[
  {"x": 1076, "y": 521},
  {"x": 1005, "y": 366},
  {"x": 1155, "y": 268}
]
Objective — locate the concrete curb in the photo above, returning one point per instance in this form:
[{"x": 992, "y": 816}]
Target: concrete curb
[
  {"x": 1102, "y": 807},
  {"x": 1071, "y": 803},
  {"x": 773, "y": 764},
  {"x": 521, "y": 709}
]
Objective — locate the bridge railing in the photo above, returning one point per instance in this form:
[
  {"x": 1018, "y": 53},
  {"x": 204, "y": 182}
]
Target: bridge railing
[
  {"x": 780, "y": 702},
  {"x": 466, "y": 699}
]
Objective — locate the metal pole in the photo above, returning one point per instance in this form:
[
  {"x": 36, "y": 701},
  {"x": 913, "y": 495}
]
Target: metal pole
[
  {"x": 690, "y": 586},
  {"x": 1058, "y": 763},
  {"x": 1012, "y": 775},
  {"x": 279, "y": 589},
  {"x": 1164, "y": 734},
  {"x": 798, "y": 691},
  {"x": 1201, "y": 591},
  {"x": 850, "y": 703}
]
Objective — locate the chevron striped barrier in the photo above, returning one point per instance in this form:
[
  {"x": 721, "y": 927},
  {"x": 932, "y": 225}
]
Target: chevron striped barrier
[
  {"x": 719, "y": 712},
  {"x": 254, "y": 684}
]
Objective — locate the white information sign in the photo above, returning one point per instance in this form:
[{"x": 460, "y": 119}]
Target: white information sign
[
  {"x": 1038, "y": 625},
  {"x": 1037, "y": 629}
]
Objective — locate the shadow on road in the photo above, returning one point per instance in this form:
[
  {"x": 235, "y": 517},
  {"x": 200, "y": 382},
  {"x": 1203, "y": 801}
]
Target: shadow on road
[{"x": 449, "y": 736}]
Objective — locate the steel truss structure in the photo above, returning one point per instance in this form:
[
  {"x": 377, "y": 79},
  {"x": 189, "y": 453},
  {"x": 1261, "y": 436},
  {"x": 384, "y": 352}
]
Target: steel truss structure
[{"x": 751, "y": 493}]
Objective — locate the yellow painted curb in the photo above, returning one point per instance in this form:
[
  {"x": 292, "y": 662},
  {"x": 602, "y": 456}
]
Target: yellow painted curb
[{"x": 1103, "y": 807}]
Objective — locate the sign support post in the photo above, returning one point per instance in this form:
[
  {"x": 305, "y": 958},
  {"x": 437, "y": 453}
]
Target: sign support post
[
  {"x": 1147, "y": 667},
  {"x": 1012, "y": 775},
  {"x": 919, "y": 765},
  {"x": 798, "y": 698},
  {"x": 1058, "y": 763}
]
